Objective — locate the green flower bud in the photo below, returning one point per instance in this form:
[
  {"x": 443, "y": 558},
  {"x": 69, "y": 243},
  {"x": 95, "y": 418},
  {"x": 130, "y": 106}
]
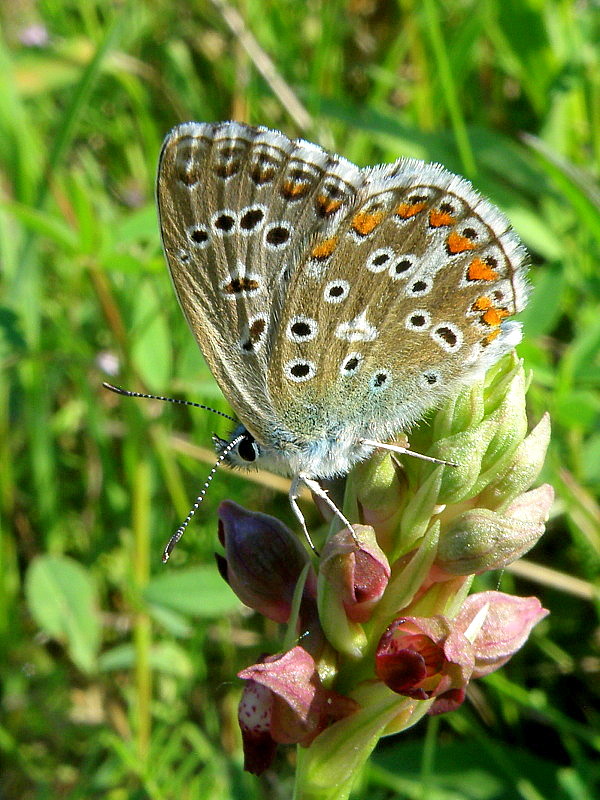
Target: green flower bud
[
  {"x": 480, "y": 539},
  {"x": 524, "y": 468}
]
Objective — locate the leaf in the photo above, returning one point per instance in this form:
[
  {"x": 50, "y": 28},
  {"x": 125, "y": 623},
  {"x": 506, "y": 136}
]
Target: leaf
[
  {"x": 151, "y": 351},
  {"x": 199, "y": 591},
  {"x": 165, "y": 657},
  {"x": 62, "y": 599}
]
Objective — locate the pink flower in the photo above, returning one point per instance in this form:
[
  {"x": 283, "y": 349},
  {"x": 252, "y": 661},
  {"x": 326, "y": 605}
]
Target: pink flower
[
  {"x": 356, "y": 569},
  {"x": 435, "y": 657},
  {"x": 284, "y": 702},
  {"x": 425, "y": 657}
]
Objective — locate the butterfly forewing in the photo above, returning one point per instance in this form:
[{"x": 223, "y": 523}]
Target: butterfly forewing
[{"x": 238, "y": 208}]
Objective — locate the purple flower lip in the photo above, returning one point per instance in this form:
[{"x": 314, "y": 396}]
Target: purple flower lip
[{"x": 263, "y": 560}]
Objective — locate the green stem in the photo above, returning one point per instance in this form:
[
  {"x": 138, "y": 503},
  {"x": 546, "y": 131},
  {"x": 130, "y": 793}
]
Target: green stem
[{"x": 142, "y": 625}]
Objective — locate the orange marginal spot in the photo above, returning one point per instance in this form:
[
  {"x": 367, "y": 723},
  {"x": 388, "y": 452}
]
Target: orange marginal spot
[
  {"x": 293, "y": 189},
  {"x": 494, "y": 316},
  {"x": 482, "y": 304},
  {"x": 440, "y": 219},
  {"x": 490, "y": 337},
  {"x": 480, "y": 271},
  {"x": 408, "y": 210},
  {"x": 327, "y": 205},
  {"x": 365, "y": 222},
  {"x": 324, "y": 249},
  {"x": 458, "y": 244}
]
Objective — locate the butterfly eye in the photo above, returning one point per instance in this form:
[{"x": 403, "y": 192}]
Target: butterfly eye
[{"x": 248, "y": 449}]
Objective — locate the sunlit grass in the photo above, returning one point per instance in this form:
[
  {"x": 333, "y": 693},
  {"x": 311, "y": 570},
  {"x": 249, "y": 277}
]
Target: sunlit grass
[{"x": 91, "y": 485}]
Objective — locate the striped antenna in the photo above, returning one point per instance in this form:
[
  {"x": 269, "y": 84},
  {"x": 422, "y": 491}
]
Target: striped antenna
[
  {"x": 127, "y": 393},
  {"x": 181, "y": 529}
]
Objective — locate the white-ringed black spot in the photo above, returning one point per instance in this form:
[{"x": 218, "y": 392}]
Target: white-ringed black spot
[
  {"x": 470, "y": 233},
  {"x": 379, "y": 259},
  {"x": 301, "y": 329},
  {"x": 402, "y": 266},
  {"x": 224, "y": 222},
  {"x": 351, "y": 364},
  {"x": 418, "y": 320},
  {"x": 419, "y": 287},
  {"x": 380, "y": 380},
  {"x": 299, "y": 370},
  {"x": 277, "y": 235},
  {"x": 336, "y": 291},
  {"x": 251, "y": 218},
  {"x": 198, "y": 236},
  {"x": 429, "y": 379},
  {"x": 448, "y": 336}
]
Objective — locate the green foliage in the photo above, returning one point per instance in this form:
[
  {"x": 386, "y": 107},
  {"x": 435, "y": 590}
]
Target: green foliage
[{"x": 118, "y": 675}]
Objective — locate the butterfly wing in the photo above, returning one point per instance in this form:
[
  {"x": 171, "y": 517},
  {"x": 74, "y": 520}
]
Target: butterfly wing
[
  {"x": 238, "y": 209},
  {"x": 395, "y": 305},
  {"x": 331, "y": 301}
]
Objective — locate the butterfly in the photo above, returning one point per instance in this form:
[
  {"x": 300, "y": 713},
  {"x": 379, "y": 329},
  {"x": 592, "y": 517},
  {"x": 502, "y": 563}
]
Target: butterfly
[{"x": 333, "y": 304}]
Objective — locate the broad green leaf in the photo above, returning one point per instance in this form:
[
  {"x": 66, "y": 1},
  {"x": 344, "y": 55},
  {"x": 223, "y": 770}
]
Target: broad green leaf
[
  {"x": 166, "y": 657},
  {"x": 62, "y": 599},
  {"x": 199, "y": 591}
]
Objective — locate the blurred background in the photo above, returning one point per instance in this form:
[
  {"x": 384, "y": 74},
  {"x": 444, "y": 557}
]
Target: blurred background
[{"x": 118, "y": 674}]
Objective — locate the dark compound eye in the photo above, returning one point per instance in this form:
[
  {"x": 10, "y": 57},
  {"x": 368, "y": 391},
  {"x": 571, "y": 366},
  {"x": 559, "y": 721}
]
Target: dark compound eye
[{"x": 247, "y": 448}]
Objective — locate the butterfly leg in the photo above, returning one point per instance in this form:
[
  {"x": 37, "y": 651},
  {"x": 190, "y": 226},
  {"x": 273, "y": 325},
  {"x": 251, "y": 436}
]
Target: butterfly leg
[
  {"x": 317, "y": 489},
  {"x": 293, "y": 496}
]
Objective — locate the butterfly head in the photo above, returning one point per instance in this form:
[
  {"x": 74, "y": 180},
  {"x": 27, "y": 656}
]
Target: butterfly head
[{"x": 317, "y": 457}]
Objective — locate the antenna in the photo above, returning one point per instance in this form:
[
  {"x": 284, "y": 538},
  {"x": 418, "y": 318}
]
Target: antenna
[
  {"x": 127, "y": 393},
  {"x": 181, "y": 529},
  {"x": 225, "y": 452}
]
